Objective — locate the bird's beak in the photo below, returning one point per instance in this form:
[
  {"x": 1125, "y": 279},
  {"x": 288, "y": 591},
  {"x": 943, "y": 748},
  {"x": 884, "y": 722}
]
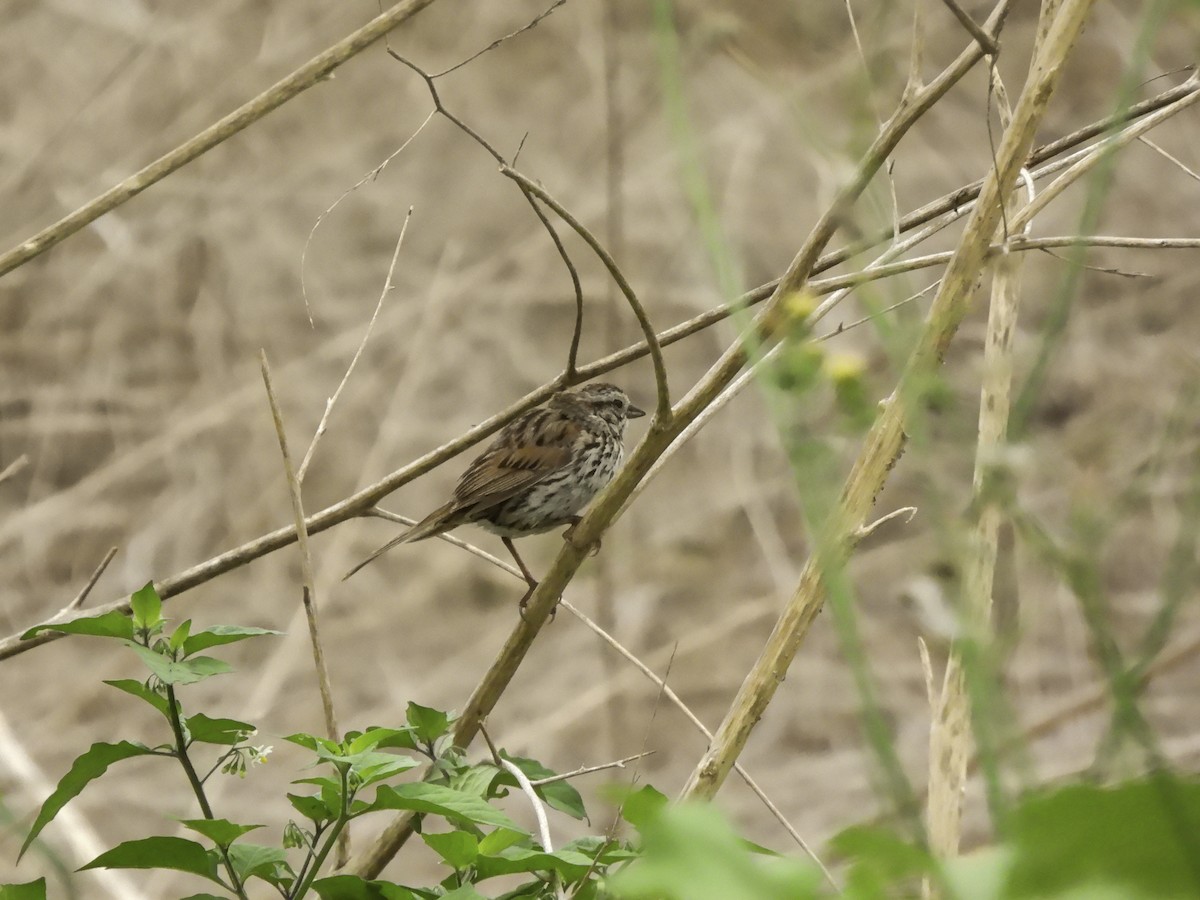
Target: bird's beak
[{"x": 632, "y": 412}]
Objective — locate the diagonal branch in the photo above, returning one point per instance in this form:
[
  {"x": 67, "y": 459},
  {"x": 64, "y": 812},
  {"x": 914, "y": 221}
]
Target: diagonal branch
[
  {"x": 245, "y": 115},
  {"x": 357, "y": 504},
  {"x": 884, "y": 442},
  {"x": 606, "y": 506}
]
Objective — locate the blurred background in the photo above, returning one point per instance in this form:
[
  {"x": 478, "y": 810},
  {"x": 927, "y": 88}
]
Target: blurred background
[{"x": 129, "y": 375}]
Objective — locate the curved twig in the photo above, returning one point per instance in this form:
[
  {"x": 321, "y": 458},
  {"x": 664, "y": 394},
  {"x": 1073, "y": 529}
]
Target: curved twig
[
  {"x": 570, "y": 371},
  {"x": 662, "y": 414}
]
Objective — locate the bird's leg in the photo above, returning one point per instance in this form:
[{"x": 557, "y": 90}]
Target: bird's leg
[
  {"x": 569, "y": 536},
  {"x": 529, "y": 579}
]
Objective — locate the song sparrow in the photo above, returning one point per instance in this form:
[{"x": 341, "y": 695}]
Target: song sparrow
[{"x": 543, "y": 468}]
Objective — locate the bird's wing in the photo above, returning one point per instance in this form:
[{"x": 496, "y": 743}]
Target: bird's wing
[{"x": 524, "y": 458}]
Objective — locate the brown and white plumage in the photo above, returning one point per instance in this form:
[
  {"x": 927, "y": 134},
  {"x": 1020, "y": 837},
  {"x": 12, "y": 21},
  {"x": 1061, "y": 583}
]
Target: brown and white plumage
[{"x": 540, "y": 471}]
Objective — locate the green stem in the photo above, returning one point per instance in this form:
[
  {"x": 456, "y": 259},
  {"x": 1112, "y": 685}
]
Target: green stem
[
  {"x": 197, "y": 785},
  {"x": 330, "y": 839}
]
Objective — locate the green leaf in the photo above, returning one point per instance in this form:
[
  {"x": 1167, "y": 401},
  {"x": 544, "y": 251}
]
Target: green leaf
[
  {"x": 88, "y": 766},
  {"x": 159, "y": 853},
  {"x": 312, "y": 807},
  {"x": 466, "y": 892},
  {"x": 978, "y": 876},
  {"x": 179, "y": 635},
  {"x": 558, "y": 794},
  {"x": 256, "y": 861},
  {"x": 360, "y": 742},
  {"x": 221, "y": 634},
  {"x": 1142, "y": 836},
  {"x": 186, "y": 671},
  {"x": 883, "y": 852},
  {"x": 570, "y": 864},
  {"x": 690, "y": 851},
  {"x": 147, "y": 607},
  {"x": 30, "y": 890},
  {"x": 139, "y": 689},
  {"x": 351, "y": 887},
  {"x": 500, "y": 839},
  {"x": 477, "y": 780},
  {"x": 457, "y": 848},
  {"x": 312, "y": 742},
  {"x": 428, "y": 724},
  {"x": 643, "y": 806},
  {"x": 221, "y": 832},
  {"x": 218, "y": 731},
  {"x": 375, "y": 767},
  {"x": 440, "y": 800},
  {"x": 110, "y": 624},
  {"x": 205, "y": 897}
]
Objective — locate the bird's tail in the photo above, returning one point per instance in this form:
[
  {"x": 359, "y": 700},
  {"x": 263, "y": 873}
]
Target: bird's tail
[{"x": 435, "y": 523}]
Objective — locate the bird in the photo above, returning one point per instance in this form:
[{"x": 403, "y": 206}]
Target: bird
[{"x": 542, "y": 469}]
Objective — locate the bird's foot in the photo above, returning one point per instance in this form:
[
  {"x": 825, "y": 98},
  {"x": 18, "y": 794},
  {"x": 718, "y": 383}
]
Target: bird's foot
[
  {"x": 525, "y": 603},
  {"x": 569, "y": 537}
]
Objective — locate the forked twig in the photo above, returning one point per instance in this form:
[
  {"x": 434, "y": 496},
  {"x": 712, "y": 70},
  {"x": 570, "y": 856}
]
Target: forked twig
[{"x": 570, "y": 371}]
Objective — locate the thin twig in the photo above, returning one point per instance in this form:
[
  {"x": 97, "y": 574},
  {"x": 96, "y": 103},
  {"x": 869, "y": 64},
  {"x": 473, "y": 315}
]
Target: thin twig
[
  {"x": 662, "y": 415},
  {"x": 570, "y": 371},
  {"x": 588, "y": 770},
  {"x": 678, "y": 703},
  {"x": 79, "y": 598},
  {"x": 14, "y": 467},
  {"x": 986, "y": 42},
  {"x": 309, "y": 595},
  {"x": 539, "y": 810},
  {"x": 329, "y": 404},
  {"x": 1179, "y": 164},
  {"x": 357, "y": 504},
  {"x": 370, "y": 176},
  {"x": 312, "y": 72},
  {"x": 496, "y": 43}
]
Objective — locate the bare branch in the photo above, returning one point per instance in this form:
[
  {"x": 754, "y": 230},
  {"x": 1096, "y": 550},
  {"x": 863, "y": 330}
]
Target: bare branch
[
  {"x": 662, "y": 415},
  {"x": 986, "y": 42},
  {"x": 496, "y": 43},
  {"x": 569, "y": 372},
  {"x": 82, "y": 596},
  {"x": 247, "y": 114},
  {"x": 14, "y": 467},
  {"x": 306, "y": 567},
  {"x": 588, "y": 770},
  {"x": 1171, "y": 159},
  {"x": 884, "y": 441}
]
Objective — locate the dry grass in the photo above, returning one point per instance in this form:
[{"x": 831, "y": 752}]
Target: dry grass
[{"x": 128, "y": 375}]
